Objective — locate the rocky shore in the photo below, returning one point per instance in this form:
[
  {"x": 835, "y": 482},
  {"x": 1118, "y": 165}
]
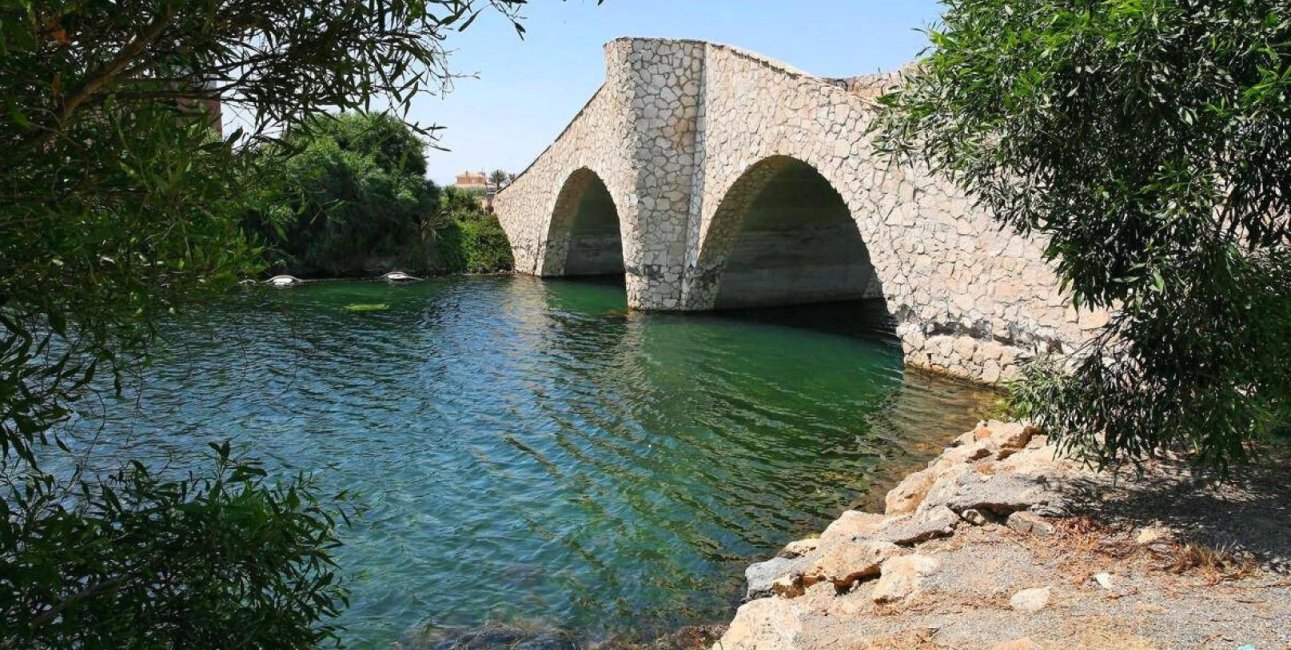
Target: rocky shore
[{"x": 1001, "y": 544}]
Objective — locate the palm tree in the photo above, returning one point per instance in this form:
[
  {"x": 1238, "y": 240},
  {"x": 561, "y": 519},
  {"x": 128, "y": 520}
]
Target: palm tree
[{"x": 499, "y": 179}]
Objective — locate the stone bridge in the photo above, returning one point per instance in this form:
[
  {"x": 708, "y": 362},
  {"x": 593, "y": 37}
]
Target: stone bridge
[{"x": 715, "y": 178}]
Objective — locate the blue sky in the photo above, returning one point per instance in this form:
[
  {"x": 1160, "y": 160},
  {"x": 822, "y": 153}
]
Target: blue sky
[{"x": 526, "y": 91}]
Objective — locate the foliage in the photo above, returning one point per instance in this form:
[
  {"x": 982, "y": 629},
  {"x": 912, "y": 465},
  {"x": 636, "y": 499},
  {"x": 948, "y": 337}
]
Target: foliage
[
  {"x": 1146, "y": 143},
  {"x": 455, "y": 200},
  {"x": 117, "y": 207},
  {"x": 473, "y": 243},
  {"x": 224, "y": 561},
  {"x": 472, "y": 240},
  {"x": 499, "y": 179},
  {"x": 352, "y": 197}
]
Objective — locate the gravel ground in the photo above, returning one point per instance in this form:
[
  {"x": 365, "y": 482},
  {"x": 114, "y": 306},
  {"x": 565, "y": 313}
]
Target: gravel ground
[{"x": 1161, "y": 559}]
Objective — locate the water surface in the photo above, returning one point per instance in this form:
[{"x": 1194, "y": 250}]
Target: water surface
[{"x": 532, "y": 452}]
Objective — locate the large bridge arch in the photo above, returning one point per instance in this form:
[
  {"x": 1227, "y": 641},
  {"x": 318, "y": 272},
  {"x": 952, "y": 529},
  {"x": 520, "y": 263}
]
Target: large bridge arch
[
  {"x": 585, "y": 236},
  {"x": 782, "y": 234}
]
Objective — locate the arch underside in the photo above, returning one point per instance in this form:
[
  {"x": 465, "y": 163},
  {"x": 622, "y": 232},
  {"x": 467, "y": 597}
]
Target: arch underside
[
  {"x": 784, "y": 236},
  {"x": 585, "y": 234}
]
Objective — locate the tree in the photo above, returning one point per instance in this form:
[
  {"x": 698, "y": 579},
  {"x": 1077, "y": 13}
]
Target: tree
[
  {"x": 471, "y": 239},
  {"x": 353, "y": 197},
  {"x": 118, "y": 206},
  {"x": 454, "y": 201},
  {"x": 499, "y": 179},
  {"x": 1146, "y": 143}
]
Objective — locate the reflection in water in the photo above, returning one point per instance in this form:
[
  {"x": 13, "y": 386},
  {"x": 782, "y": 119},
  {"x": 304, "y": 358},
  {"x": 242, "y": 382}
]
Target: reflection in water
[{"x": 534, "y": 454}]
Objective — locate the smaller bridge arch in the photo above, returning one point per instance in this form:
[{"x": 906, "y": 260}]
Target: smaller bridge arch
[
  {"x": 585, "y": 235},
  {"x": 782, "y": 234}
]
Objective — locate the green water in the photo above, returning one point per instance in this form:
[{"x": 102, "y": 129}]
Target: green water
[{"x": 532, "y": 452}]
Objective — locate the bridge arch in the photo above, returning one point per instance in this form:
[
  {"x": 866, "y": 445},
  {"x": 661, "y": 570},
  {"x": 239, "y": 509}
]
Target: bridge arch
[
  {"x": 782, "y": 234},
  {"x": 585, "y": 234}
]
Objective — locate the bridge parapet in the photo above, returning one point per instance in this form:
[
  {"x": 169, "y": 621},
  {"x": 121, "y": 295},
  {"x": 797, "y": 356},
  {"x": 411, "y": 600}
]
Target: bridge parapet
[{"x": 735, "y": 180}]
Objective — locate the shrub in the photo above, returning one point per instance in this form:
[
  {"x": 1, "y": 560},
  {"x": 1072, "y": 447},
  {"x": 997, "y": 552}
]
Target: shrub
[
  {"x": 351, "y": 198},
  {"x": 1146, "y": 142},
  {"x": 472, "y": 242}
]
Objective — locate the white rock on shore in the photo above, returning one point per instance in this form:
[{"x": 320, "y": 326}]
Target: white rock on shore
[
  {"x": 400, "y": 276},
  {"x": 1031, "y": 600},
  {"x": 902, "y": 576},
  {"x": 998, "y": 470}
]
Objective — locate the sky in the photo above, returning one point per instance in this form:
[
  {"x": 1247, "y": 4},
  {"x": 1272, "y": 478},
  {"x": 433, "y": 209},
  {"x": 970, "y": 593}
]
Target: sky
[{"x": 522, "y": 93}]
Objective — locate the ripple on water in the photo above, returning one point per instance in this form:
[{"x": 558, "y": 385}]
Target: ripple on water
[{"x": 533, "y": 454}]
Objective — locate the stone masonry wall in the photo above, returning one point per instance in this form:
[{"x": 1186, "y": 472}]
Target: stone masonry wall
[{"x": 685, "y": 135}]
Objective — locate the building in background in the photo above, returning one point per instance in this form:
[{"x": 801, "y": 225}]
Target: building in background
[
  {"x": 205, "y": 101},
  {"x": 477, "y": 183},
  {"x": 472, "y": 182}
]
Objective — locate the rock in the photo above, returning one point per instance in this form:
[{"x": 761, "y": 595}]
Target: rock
[
  {"x": 1005, "y": 452},
  {"x": 946, "y": 485},
  {"x": 998, "y": 493},
  {"x": 766, "y": 624},
  {"x": 1030, "y": 600},
  {"x": 399, "y": 276},
  {"x": 1051, "y": 510},
  {"x": 1104, "y": 580},
  {"x": 788, "y": 586},
  {"x": 906, "y": 497},
  {"x": 982, "y": 431},
  {"x": 1153, "y": 534},
  {"x": 691, "y": 636},
  {"x": 844, "y": 564},
  {"x": 901, "y": 576},
  {"x": 761, "y": 576},
  {"x": 850, "y": 525},
  {"x": 799, "y": 548},
  {"x": 966, "y": 454},
  {"x": 1030, "y": 523},
  {"x": 282, "y": 281},
  {"x": 974, "y": 517},
  {"x": 1029, "y": 460},
  {"x": 1011, "y": 435},
  {"x": 919, "y": 527}
]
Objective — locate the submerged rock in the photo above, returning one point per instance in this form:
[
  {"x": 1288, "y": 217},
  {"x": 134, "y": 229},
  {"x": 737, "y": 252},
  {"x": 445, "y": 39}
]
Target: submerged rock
[
  {"x": 497, "y": 637},
  {"x": 283, "y": 281}
]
